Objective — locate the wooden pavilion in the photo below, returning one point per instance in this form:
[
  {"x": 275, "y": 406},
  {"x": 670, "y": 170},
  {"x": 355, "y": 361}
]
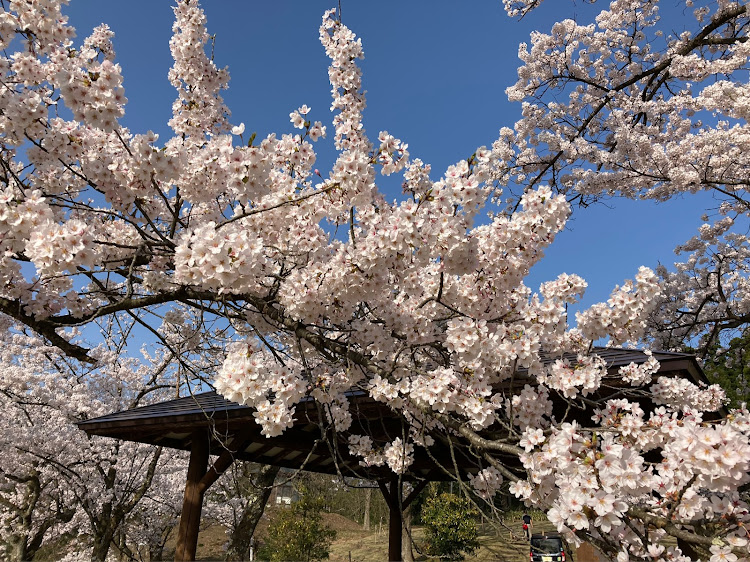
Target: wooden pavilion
[{"x": 208, "y": 426}]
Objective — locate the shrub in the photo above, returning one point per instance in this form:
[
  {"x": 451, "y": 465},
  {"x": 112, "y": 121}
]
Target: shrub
[
  {"x": 450, "y": 526},
  {"x": 298, "y": 533}
]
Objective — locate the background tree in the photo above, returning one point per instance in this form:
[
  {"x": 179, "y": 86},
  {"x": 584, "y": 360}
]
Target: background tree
[
  {"x": 319, "y": 285},
  {"x": 53, "y": 477},
  {"x": 450, "y": 526},
  {"x": 297, "y": 533},
  {"x": 730, "y": 367},
  {"x": 238, "y": 501},
  {"x": 155, "y": 519},
  {"x": 704, "y": 305}
]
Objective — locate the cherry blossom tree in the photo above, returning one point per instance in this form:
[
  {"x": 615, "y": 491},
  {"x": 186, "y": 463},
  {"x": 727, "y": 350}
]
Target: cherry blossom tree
[
  {"x": 54, "y": 479},
  {"x": 422, "y": 304},
  {"x": 238, "y": 501},
  {"x": 704, "y": 308},
  {"x": 154, "y": 520},
  {"x": 626, "y": 106},
  {"x": 35, "y": 507},
  {"x": 704, "y": 303}
]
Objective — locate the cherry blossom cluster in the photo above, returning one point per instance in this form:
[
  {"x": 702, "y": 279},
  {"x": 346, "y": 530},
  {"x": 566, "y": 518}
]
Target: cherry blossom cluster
[
  {"x": 220, "y": 259},
  {"x": 362, "y": 446},
  {"x": 584, "y": 375},
  {"x": 639, "y": 374},
  {"x": 487, "y": 482},
  {"x": 625, "y": 317},
  {"x": 324, "y": 290},
  {"x": 593, "y": 480},
  {"x": 399, "y": 455},
  {"x": 346, "y": 81},
  {"x": 684, "y": 395},
  {"x": 519, "y": 8},
  {"x": 330, "y": 390},
  {"x": 252, "y": 377},
  {"x": 40, "y": 19},
  {"x": 299, "y": 120},
  {"x": 392, "y": 154},
  {"x": 94, "y": 93},
  {"x": 531, "y": 407},
  {"x": 54, "y": 248},
  {"x": 199, "y": 109}
]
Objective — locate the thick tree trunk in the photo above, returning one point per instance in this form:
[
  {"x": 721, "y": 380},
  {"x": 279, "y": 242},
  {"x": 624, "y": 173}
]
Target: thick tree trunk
[
  {"x": 393, "y": 495},
  {"x": 240, "y": 540},
  {"x": 102, "y": 543},
  {"x": 368, "y": 501},
  {"x": 394, "y": 534},
  {"x": 407, "y": 553},
  {"x": 19, "y": 543},
  {"x": 17, "y": 550}
]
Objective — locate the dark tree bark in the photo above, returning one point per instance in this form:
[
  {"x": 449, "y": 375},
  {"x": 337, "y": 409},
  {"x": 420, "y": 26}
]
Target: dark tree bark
[
  {"x": 241, "y": 537},
  {"x": 33, "y": 523},
  {"x": 102, "y": 541},
  {"x": 694, "y": 551},
  {"x": 17, "y": 548},
  {"x": 107, "y": 521},
  {"x": 368, "y": 501},
  {"x": 407, "y": 552}
]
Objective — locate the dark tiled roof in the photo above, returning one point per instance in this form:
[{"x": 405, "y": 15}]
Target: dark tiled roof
[
  {"x": 197, "y": 404},
  {"x": 174, "y": 423}
]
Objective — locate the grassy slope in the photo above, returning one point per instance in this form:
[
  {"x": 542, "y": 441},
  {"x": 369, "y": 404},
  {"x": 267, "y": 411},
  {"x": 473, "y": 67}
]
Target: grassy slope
[
  {"x": 353, "y": 544},
  {"x": 373, "y": 546}
]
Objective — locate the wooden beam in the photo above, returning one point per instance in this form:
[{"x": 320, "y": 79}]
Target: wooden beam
[
  {"x": 418, "y": 487},
  {"x": 238, "y": 444},
  {"x": 192, "y": 504},
  {"x": 386, "y": 492}
]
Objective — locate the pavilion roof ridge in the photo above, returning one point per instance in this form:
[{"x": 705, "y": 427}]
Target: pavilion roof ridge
[{"x": 210, "y": 403}]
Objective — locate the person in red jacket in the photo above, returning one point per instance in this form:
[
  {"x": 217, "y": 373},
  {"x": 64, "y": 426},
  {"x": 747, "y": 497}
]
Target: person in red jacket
[{"x": 527, "y": 525}]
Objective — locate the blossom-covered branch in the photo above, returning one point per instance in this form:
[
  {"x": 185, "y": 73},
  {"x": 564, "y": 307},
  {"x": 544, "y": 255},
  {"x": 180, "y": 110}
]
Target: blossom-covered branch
[{"x": 422, "y": 305}]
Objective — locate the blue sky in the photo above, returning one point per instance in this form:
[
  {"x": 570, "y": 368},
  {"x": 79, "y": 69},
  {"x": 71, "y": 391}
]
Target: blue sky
[{"x": 435, "y": 74}]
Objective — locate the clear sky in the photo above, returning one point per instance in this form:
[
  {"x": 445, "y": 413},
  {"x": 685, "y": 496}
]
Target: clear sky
[{"x": 435, "y": 74}]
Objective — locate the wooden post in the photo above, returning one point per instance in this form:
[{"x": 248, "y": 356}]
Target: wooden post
[
  {"x": 199, "y": 479},
  {"x": 192, "y": 504},
  {"x": 396, "y": 504},
  {"x": 391, "y": 494},
  {"x": 395, "y": 523}
]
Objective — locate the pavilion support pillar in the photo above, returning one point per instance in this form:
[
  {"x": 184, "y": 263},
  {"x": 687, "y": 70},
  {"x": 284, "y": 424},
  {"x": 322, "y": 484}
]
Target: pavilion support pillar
[
  {"x": 192, "y": 504},
  {"x": 392, "y": 491},
  {"x": 392, "y": 494},
  {"x": 395, "y": 535},
  {"x": 199, "y": 479}
]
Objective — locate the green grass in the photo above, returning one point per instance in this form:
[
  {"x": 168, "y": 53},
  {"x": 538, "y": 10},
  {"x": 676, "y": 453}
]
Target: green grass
[{"x": 504, "y": 543}]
